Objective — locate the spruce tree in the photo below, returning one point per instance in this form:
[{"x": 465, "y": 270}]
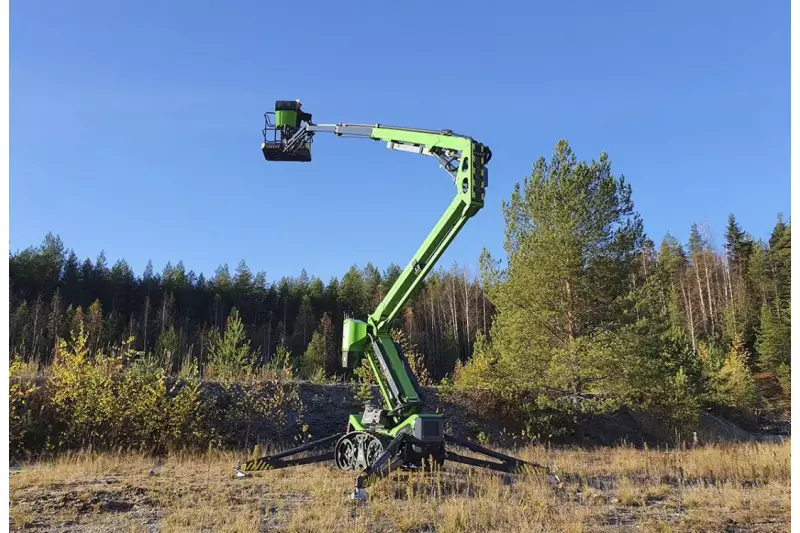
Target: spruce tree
[
  {"x": 232, "y": 353},
  {"x": 773, "y": 344},
  {"x": 738, "y": 245}
]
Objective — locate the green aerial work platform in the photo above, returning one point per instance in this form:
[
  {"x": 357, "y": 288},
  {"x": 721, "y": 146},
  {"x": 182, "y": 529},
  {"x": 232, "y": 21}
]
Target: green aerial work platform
[{"x": 399, "y": 433}]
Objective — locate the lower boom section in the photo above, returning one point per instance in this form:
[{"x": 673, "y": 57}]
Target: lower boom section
[{"x": 418, "y": 442}]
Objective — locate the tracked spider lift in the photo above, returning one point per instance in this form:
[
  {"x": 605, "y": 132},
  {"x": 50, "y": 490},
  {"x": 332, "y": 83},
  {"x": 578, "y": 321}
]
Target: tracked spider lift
[{"x": 398, "y": 434}]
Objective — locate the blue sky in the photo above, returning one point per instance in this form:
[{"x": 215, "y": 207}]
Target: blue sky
[{"x": 135, "y": 127}]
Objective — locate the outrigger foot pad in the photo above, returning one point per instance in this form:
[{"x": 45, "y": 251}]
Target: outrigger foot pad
[{"x": 359, "y": 495}]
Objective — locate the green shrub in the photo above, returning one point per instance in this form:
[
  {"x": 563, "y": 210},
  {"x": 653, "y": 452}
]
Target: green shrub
[
  {"x": 23, "y": 400},
  {"x": 366, "y": 379},
  {"x": 124, "y": 400},
  {"x": 734, "y": 388},
  {"x": 313, "y": 360}
]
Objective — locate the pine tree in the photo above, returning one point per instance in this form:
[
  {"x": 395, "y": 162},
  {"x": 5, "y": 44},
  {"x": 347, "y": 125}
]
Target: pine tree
[
  {"x": 316, "y": 289},
  {"x": 758, "y": 275},
  {"x": 71, "y": 278},
  {"x": 372, "y": 285},
  {"x": 122, "y": 281},
  {"x": 166, "y": 274},
  {"x": 779, "y": 259},
  {"x": 366, "y": 379},
  {"x": 243, "y": 279},
  {"x": 572, "y": 239},
  {"x": 332, "y": 295},
  {"x": 282, "y": 362},
  {"x": 353, "y": 294},
  {"x": 148, "y": 275},
  {"x": 332, "y": 360},
  {"x": 222, "y": 281},
  {"x": 86, "y": 274},
  {"x": 303, "y": 281},
  {"x": 390, "y": 275},
  {"x": 738, "y": 246}
]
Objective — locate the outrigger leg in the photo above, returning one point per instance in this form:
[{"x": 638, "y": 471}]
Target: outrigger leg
[
  {"x": 277, "y": 461},
  {"x": 507, "y": 463}
]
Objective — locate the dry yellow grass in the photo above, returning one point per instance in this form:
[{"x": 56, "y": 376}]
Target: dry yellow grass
[{"x": 731, "y": 488}]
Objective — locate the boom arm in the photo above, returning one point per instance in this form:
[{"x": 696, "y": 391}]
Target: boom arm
[{"x": 465, "y": 161}]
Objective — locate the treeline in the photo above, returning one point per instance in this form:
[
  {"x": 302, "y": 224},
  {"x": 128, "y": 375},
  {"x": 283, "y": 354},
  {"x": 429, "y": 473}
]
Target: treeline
[
  {"x": 743, "y": 288},
  {"x": 180, "y": 317},
  {"x": 711, "y": 293}
]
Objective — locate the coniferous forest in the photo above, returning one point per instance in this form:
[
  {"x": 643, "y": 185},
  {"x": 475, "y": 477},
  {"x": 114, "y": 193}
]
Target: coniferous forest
[
  {"x": 179, "y": 316},
  {"x": 585, "y": 312}
]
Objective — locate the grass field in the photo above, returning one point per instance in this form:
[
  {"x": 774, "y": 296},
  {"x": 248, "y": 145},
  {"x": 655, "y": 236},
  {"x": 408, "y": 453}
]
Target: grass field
[{"x": 742, "y": 487}]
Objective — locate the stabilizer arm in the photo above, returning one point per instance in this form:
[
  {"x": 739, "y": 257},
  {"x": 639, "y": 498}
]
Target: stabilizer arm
[
  {"x": 279, "y": 460},
  {"x": 507, "y": 463}
]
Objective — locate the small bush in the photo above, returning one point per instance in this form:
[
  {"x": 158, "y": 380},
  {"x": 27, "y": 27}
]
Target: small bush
[
  {"x": 366, "y": 379},
  {"x": 23, "y": 398},
  {"x": 123, "y": 400},
  {"x": 734, "y": 388},
  {"x": 312, "y": 364}
]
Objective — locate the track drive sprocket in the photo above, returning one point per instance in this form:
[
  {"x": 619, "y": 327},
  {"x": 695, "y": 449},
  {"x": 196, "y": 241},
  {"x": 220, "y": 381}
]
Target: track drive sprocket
[{"x": 357, "y": 450}]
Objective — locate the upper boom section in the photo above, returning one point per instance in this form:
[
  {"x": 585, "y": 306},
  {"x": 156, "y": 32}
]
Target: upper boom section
[{"x": 463, "y": 158}]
